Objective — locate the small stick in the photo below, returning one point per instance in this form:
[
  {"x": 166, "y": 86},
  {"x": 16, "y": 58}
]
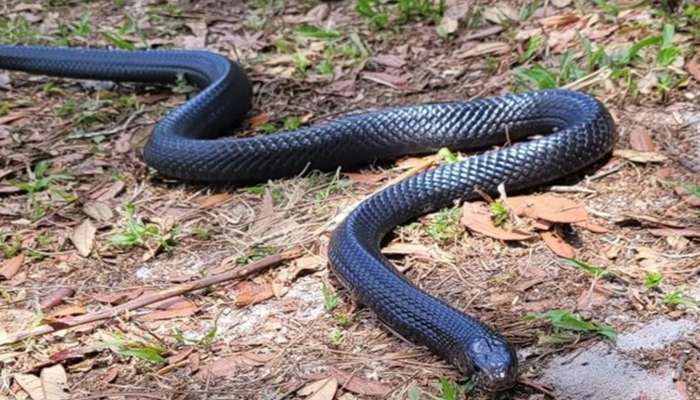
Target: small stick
[{"x": 68, "y": 323}]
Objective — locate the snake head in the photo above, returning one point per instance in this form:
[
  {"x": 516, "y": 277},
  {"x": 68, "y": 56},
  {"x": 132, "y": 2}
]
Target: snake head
[{"x": 494, "y": 363}]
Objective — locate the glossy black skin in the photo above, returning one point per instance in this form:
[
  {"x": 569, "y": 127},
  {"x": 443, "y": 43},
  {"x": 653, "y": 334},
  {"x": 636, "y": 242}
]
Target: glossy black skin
[{"x": 184, "y": 145}]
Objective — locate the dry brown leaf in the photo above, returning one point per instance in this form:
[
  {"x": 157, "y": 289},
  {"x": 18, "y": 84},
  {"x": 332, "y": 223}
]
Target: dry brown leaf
[
  {"x": 454, "y": 12},
  {"x": 641, "y": 140},
  {"x": 83, "y": 238},
  {"x": 51, "y": 385},
  {"x": 55, "y": 297},
  {"x": 556, "y": 21},
  {"x": 386, "y": 79},
  {"x": 98, "y": 211},
  {"x": 389, "y": 60},
  {"x": 549, "y": 208},
  {"x": 686, "y": 232},
  {"x": 258, "y": 120},
  {"x": 483, "y": 49},
  {"x": 593, "y": 227},
  {"x": 360, "y": 385},
  {"x": 66, "y": 311},
  {"x": 247, "y": 293},
  {"x": 108, "y": 192},
  {"x": 693, "y": 67},
  {"x": 180, "y": 355},
  {"x": 367, "y": 178},
  {"x": 640, "y": 156},
  {"x": 557, "y": 244},
  {"x": 477, "y": 217},
  {"x": 589, "y": 299},
  {"x": 419, "y": 250},
  {"x": 229, "y": 366},
  {"x": 500, "y": 13},
  {"x": 118, "y": 297},
  {"x": 216, "y": 200},
  {"x": 10, "y": 267},
  {"x": 178, "y": 310},
  {"x": 561, "y": 3},
  {"x": 303, "y": 264},
  {"x": 323, "y": 389}
]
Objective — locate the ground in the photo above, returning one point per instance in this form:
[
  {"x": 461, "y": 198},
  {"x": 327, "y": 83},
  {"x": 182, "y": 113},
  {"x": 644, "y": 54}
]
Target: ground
[{"x": 604, "y": 307}]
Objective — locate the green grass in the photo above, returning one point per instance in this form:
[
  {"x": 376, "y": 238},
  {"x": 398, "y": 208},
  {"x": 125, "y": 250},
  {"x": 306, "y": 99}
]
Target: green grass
[
  {"x": 135, "y": 233},
  {"x": 336, "y": 338},
  {"x": 379, "y": 13},
  {"x": 564, "y": 320},
  {"x": 330, "y": 299},
  {"x": 343, "y": 319},
  {"x": 653, "y": 280},
  {"x": 42, "y": 179},
  {"x": 140, "y": 349},
  {"x": 445, "y": 224},
  {"x": 596, "y": 271},
  {"x": 499, "y": 213},
  {"x": 447, "y": 156},
  {"x": 678, "y": 297},
  {"x": 4, "y": 108}
]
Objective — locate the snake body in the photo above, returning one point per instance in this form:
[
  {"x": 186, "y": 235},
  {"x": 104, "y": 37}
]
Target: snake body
[{"x": 573, "y": 129}]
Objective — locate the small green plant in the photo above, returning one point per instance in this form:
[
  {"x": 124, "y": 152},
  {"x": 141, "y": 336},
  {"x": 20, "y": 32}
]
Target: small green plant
[
  {"x": 499, "y": 213},
  {"x": 11, "y": 248},
  {"x": 566, "y": 320},
  {"x": 4, "y": 108},
  {"x": 343, "y": 319},
  {"x": 336, "y": 338},
  {"x": 667, "y": 53},
  {"x": 419, "y": 9},
  {"x": 135, "y": 233},
  {"x": 596, "y": 271},
  {"x": 448, "y": 389},
  {"x": 533, "y": 48},
  {"x": 256, "y": 253},
  {"x": 445, "y": 224},
  {"x": 653, "y": 280},
  {"x": 327, "y": 66},
  {"x": 18, "y": 31},
  {"x": 301, "y": 63},
  {"x": 330, "y": 299},
  {"x": 374, "y": 12},
  {"x": 678, "y": 297},
  {"x": 336, "y": 186},
  {"x": 201, "y": 233},
  {"x": 41, "y": 180},
  {"x": 447, "y": 156},
  {"x": 291, "y": 123},
  {"x": 314, "y": 32},
  {"x": 137, "y": 348}
]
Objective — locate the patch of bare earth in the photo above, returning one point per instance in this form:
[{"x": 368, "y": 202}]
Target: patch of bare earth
[{"x": 98, "y": 229}]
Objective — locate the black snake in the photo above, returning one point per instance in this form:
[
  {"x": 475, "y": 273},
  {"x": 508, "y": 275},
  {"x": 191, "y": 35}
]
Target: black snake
[{"x": 576, "y": 130}]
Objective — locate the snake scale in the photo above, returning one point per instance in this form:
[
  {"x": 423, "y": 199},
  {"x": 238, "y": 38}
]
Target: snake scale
[{"x": 573, "y": 130}]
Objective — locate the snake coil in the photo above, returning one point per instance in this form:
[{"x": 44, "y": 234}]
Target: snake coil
[{"x": 577, "y": 130}]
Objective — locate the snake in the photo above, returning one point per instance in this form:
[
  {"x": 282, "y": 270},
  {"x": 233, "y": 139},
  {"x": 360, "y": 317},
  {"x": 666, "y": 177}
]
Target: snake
[{"x": 519, "y": 140}]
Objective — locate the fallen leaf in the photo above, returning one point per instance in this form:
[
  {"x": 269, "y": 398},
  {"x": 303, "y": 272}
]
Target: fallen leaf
[
  {"x": 557, "y": 244},
  {"x": 118, "y": 297},
  {"x": 55, "y": 297},
  {"x": 640, "y": 156},
  {"x": 216, "y": 200},
  {"x": 693, "y": 67},
  {"x": 641, "y": 140},
  {"x": 367, "y": 178},
  {"x": 686, "y": 232},
  {"x": 455, "y": 11},
  {"x": 50, "y": 386},
  {"x": 98, "y": 210},
  {"x": 647, "y": 220},
  {"x": 589, "y": 299},
  {"x": 590, "y": 226},
  {"x": 83, "y": 238},
  {"x": 66, "y": 311},
  {"x": 419, "y": 250},
  {"x": 110, "y": 375},
  {"x": 323, "y": 389},
  {"x": 477, "y": 217},
  {"x": 386, "y": 79},
  {"x": 360, "y": 385},
  {"x": 484, "y": 32},
  {"x": 561, "y": 3},
  {"x": 180, "y": 355},
  {"x": 5, "y": 81},
  {"x": 556, "y": 21},
  {"x": 483, "y": 49},
  {"x": 229, "y": 366},
  {"x": 179, "y": 310},
  {"x": 549, "y": 208},
  {"x": 389, "y": 60},
  {"x": 247, "y": 293},
  {"x": 10, "y": 267},
  {"x": 299, "y": 265},
  {"x": 500, "y": 13},
  {"x": 258, "y": 120}
]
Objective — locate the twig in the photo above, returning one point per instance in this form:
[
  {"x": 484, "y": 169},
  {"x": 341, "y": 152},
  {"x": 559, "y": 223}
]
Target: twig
[{"x": 68, "y": 323}]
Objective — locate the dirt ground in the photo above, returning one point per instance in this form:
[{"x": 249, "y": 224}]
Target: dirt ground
[{"x": 86, "y": 226}]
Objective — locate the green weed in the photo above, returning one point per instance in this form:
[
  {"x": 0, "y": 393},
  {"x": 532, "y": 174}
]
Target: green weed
[
  {"x": 499, "y": 213},
  {"x": 596, "y": 271},
  {"x": 447, "y": 156},
  {"x": 314, "y": 32},
  {"x": 135, "y": 233},
  {"x": 445, "y": 224},
  {"x": 568, "y": 321},
  {"x": 653, "y": 280},
  {"x": 145, "y": 351},
  {"x": 336, "y": 338},
  {"x": 678, "y": 297},
  {"x": 330, "y": 299},
  {"x": 343, "y": 319},
  {"x": 41, "y": 179}
]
